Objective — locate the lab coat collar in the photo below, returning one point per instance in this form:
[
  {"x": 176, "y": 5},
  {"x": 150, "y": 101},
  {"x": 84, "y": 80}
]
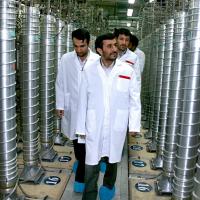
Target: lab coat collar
[
  {"x": 88, "y": 56},
  {"x": 113, "y": 72},
  {"x": 76, "y": 59}
]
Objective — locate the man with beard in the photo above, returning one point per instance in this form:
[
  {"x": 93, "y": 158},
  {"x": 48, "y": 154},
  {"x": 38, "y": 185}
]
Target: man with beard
[
  {"x": 123, "y": 39},
  {"x": 68, "y": 81},
  {"x": 109, "y": 100}
]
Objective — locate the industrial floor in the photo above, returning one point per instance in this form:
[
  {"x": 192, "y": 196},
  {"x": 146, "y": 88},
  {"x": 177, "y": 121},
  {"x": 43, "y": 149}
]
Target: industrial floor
[
  {"x": 128, "y": 178},
  {"x": 121, "y": 183}
]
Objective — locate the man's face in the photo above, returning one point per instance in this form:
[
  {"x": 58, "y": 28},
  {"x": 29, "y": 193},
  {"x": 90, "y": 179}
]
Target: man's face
[
  {"x": 123, "y": 42},
  {"x": 81, "y": 47},
  {"x": 109, "y": 51}
]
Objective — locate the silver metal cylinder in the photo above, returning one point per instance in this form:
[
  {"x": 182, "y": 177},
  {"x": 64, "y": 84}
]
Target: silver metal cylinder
[
  {"x": 61, "y": 39},
  {"x": 158, "y": 161},
  {"x": 30, "y": 84},
  {"x": 187, "y": 143},
  {"x": 92, "y": 43},
  {"x": 8, "y": 156},
  {"x": 70, "y": 28},
  {"x": 175, "y": 92},
  {"x": 157, "y": 95},
  {"x": 152, "y": 77},
  {"x": 29, "y": 70},
  {"x": 145, "y": 93},
  {"x": 47, "y": 89},
  {"x": 196, "y": 191},
  {"x": 164, "y": 183}
]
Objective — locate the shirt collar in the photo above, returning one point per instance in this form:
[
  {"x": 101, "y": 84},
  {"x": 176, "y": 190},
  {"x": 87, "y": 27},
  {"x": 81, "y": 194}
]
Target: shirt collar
[
  {"x": 82, "y": 63},
  {"x": 111, "y": 66}
]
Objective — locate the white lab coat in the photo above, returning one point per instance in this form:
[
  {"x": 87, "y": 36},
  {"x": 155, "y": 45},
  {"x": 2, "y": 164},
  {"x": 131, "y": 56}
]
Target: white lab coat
[
  {"x": 141, "y": 57},
  {"x": 67, "y": 89},
  {"x": 132, "y": 59},
  {"x": 119, "y": 94}
]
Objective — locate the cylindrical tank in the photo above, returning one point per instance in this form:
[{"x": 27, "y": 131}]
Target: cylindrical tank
[
  {"x": 8, "y": 155},
  {"x": 47, "y": 89}
]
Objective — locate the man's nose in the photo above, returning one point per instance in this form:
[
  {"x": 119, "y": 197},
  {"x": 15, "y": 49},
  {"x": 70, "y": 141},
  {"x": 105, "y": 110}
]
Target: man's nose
[
  {"x": 123, "y": 41},
  {"x": 78, "y": 49},
  {"x": 114, "y": 48}
]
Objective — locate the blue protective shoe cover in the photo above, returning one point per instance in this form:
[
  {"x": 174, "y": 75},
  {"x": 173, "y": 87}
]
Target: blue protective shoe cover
[
  {"x": 79, "y": 187},
  {"x": 102, "y": 167},
  {"x": 75, "y": 166},
  {"x": 106, "y": 193}
]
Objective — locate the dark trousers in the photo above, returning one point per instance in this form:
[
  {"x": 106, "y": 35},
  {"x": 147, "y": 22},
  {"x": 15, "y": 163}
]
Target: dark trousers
[
  {"x": 91, "y": 178},
  {"x": 79, "y": 150}
]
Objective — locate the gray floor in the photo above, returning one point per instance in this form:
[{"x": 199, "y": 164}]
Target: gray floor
[{"x": 121, "y": 183}]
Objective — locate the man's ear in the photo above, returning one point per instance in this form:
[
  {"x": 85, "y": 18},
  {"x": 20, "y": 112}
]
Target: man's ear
[{"x": 99, "y": 50}]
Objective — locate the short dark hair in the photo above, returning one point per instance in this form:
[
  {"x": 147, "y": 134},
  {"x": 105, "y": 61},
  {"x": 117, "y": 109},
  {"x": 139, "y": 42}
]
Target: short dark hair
[
  {"x": 101, "y": 38},
  {"x": 81, "y": 34},
  {"x": 134, "y": 40},
  {"x": 121, "y": 31}
]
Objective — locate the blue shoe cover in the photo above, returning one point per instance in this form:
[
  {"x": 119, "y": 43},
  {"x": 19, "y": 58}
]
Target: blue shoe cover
[
  {"x": 75, "y": 166},
  {"x": 106, "y": 193},
  {"x": 102, "y": 167},
  {"x": 79, "y": 187}
]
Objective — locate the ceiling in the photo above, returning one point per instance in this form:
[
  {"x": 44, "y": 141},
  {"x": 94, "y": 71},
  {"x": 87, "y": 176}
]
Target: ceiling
[
  {"x": 118, "y": 8},
  {"x": 115, "y": 11}
]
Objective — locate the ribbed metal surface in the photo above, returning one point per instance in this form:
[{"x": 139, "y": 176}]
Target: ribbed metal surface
[
  {"x": 175, "y": 92},
  {"x": 92, "y": 43},
  {"x": 143, "y": 46},
  {"x": 152, "y": 77},
  {"x": 164, "y": 182},
  {"x": 8, "y": 156},
  {"x": 61, "y": 38},
  {"x": 158, "y": 161},
  {"x": 157, "y": 97},
  {"x": 30, "y": 84},
  {"x": 188, "y": 140},
  {"x": 47, "y": 81},
  {"x": 70, "y": 28},
  {"x": 60, "y": 49},
  {"x": 196, "y": 190},
  {"x": 145, "y": 82}
]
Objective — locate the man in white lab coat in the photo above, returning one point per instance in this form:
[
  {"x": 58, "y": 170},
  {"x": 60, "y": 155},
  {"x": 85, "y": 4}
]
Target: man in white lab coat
[
  {"x": 133, "y": 46},
  {"x": 68, "y": 82},
  {"x": 109, "y": 100},
  {"x": 125, "y": 55}
]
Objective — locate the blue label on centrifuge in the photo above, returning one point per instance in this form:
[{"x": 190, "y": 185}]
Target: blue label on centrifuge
[
  {"x": 143, "y": 187},
  {"x": 136, "y": 147},
  {"x": 64, "y": 159},
  {"x": 138, "y": 163},
  {"x": 52, "y": 180}
]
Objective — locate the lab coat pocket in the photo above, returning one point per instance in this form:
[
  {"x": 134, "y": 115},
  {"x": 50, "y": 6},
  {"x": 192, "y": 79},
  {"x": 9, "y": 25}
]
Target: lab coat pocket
[
  {"x": 91, "y": 121},
  {"x": 123, "y": 84},
  {"x": 121, "y": 120}
]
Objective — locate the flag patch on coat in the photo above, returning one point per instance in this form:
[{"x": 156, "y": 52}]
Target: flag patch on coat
[
  {"x": 125, "y": 77},
  {"x": 129, "y": 62}
]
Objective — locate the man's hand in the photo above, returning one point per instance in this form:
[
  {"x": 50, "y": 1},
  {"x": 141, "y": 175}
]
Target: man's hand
[
  {"x": 60, "y": 113},
  {"x": 134, "y": 133}
]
